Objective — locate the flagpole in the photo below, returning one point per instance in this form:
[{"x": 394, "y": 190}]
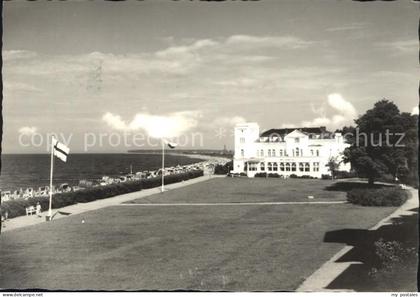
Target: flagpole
[
  {"x": 163, "y": 166},
  {"x": 51, "y": 178}
]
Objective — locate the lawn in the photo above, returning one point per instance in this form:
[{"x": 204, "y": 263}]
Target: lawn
[{"x": 239, "y": 247}]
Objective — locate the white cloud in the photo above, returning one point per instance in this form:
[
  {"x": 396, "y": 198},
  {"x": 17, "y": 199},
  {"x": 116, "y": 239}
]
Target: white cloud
[
  {"x": 349, "y": 27},
  {"x": 286, "y": 42},
  {"x": 28, "y": 130},
  {"x": 415, "y": 110},
  {"x": 156, "y": 126},
  {"x": 19, "y": 87},
  {"x": 228, "y": 121},
  {"x": 346, "y": 113},
  {"x": 402, "y": 46},
  {"x": 10, "y": 55}
]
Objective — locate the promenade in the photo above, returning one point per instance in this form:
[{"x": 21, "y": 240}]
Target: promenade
[{"x": 24, "y": 221}]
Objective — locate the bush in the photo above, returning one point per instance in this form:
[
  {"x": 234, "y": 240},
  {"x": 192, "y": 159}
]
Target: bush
[
  {"x": 390, "y": 196},
  {"x": 273, "y": 175},
  {"x": 17, "y": 207},
  {"x": 243, "y": 174},
  {"x": 389, "y": 254},
  {"x": 325, "y": 176},
  {"x": 300, "y": 176},
  {"x": 293, "y": 175},
  {"x": 223, "y": 169},
  {"x": 260, "y": 174},
  {"x": 345, "y": 174}
]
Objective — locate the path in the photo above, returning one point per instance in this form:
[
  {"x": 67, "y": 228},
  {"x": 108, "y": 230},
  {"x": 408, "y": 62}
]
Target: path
[
  {"x": 78, "y": 208},
  {"x": 331, "y": 269}
]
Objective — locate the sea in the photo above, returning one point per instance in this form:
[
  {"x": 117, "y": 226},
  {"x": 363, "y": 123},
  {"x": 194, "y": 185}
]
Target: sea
[{"x": 33, "y": 170}]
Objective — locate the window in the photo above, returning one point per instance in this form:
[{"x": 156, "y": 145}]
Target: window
[
  {"x": 287, "y": 166},
  {"x": 242, "y": 152},
  {"x": 281, "y": 153},
  {"x": 312, "y": 152},
  {"x": 316, "y": 166},
  {"x": 297, "y": 140},
  {"x": 273, "y": 153},
  {"x": 269, "y": 153},
  {"x": 262, "y": 166},
  {"x": 301, "y": 166},
  {"x": 317, "y": 153},
  {"x": 270, "y": 166},
  {"x": 252, "y": 167},
  {"x": 275, "y": 167},
  {"x": 281, "y": 166},
  {"x": 262, "y": 153},
  {"x": 242, "y": 140},
  {"x": 293, "y": 166},
  {"x": 307, "y": 167},
  {"x": 258, "y": 153},
  {"x": 297, "y": 151}
]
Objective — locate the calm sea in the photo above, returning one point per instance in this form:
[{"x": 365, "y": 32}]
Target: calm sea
[{"x": 22, "y": 171}]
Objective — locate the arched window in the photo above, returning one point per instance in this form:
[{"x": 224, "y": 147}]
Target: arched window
[
  {"x": 297, "y": 152},
  {"x": 293, "y": 166},
  {"x": 275, "y": 167},
  {"x": 262, "y": 166},
  {"x": 287, "y": 166},
  {"x": 301, "y": 166},
  {"x": 270, "y": 166},
  {"x": 281, "y": 166},
  {"x": 306, "y": 167}
]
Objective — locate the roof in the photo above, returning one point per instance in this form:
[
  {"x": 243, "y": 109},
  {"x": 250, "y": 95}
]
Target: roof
[{"x": 307, "y": 130}]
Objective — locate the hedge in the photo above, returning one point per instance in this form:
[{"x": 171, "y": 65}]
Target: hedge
[
  {"x": 389, "y": 196},
  {"x": 17, "y": 207}
]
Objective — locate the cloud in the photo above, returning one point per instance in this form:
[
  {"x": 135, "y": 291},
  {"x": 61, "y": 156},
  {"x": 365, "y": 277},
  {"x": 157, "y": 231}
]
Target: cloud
[
  {"x": 10, "y": 55},
  {"x": 228, "y": 121},
  {"x": 349, "y": 27},
  {"x": 28, "y": 130},
  {"x": 401, "y": 46},
  {"x": 415, "y": 110},
  {"x": 345, "y": 113},
  {"x": 19, "y": 87},
  {"x": 285, "y": 42},
  {"x": 156, "y": 126}
]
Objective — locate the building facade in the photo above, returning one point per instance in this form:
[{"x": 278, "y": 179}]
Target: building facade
[{"x": 299, "y": 151}]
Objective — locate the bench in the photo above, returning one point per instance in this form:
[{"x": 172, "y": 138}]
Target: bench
[{"x": 30, "y": 210}]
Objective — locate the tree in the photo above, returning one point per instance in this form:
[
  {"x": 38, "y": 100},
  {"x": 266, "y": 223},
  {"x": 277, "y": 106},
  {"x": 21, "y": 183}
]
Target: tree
[
  {"x": 333, "y": 166},
  {"x": 384, "y": 141}
]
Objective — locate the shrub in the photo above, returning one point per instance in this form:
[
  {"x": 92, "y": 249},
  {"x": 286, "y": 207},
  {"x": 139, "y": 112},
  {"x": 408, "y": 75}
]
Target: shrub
[
  {"x": 325, "y": 176},
  {"x": 389, "y": 254},
  {"x": 17, "y": 207},
  {"x": 223, "y": 169},
  {"x": 390, "y": 196},
  {"x": 273, "y": 175},
  {"x": 293, "y": 175},
  {"x": 345, "y": 174},
  {"x": 243, "y": 174},
  {"x": 260, "y": 174}
]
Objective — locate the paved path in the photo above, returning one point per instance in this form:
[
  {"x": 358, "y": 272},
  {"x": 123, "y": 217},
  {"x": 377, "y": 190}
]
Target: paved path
[
  {"x": 232, "y": 203},
  {"x": 24, "y": 221},
  {"x": 331, "y": 269}
]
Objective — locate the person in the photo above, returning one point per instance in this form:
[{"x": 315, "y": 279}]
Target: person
[{"x": 38, "y": 209}]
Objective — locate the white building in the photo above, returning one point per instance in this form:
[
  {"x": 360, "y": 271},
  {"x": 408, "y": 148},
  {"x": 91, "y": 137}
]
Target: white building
[{"x": 299, "y": 151}]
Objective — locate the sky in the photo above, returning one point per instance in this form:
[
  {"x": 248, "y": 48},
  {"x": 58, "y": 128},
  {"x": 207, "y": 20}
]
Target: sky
[{"x": 90, "y": 71}]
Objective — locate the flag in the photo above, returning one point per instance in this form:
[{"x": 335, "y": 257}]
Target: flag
[
  {"x": 172, "y": 145},
  {"x": 60, "y": 150}
]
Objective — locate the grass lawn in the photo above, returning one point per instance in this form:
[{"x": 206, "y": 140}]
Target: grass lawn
[{"x": 241, "y": 248}]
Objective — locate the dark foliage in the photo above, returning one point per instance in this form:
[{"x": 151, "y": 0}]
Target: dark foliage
[
  {"x": 391, "y": 196},
  {"x": 223, "y": 169},
  {"x": 17, "y": 207}
]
